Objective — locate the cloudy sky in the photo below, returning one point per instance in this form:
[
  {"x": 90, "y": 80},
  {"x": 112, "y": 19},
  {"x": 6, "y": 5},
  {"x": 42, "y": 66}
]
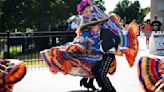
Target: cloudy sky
[{"x": 110, "y": 4}]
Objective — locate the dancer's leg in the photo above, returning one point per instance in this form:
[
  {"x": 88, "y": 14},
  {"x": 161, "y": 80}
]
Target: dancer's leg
[
  {"x": 83, "y": 81},
  {"x": 100, "y": 71},
  {"x": 90, "y": 84},
  {"x": 87, "y": 84}
]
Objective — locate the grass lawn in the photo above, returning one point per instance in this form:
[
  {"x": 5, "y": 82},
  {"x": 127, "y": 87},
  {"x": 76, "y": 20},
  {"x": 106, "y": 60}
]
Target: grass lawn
[
  {"x": 34, "y": 62},
  {"x": 31, "y": 59}
]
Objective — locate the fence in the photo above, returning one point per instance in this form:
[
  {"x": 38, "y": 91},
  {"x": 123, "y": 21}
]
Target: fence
[{"x": 26, "y": 46}]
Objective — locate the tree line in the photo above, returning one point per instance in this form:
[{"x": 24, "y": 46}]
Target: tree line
[
  {"x": 42, "y": 15},
  {"x": 131, "y": 11}
]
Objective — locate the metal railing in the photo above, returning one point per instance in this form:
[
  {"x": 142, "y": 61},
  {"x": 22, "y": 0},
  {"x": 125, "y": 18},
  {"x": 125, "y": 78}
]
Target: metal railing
[{"x": 27, "y": 46}]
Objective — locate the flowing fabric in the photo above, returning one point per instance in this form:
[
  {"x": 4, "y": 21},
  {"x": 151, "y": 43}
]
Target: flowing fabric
[
  {"x": 128, "y": 38},
  {"x": 12, "y": 71},
  {"x": 151, "y": 73},
  {"x": 76, "y": 63},
  {"x": 132, "y": 48},
  {"x": 73, "y": 58},
  {"x": 113, "y": 25}
]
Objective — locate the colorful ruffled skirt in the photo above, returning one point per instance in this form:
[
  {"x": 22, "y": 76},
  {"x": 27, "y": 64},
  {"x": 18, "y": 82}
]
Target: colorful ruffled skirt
[
  {"x": 151, "y": 74},
  {"x": 73, "y": 60},
  {"x": 11, "y": 72},
  {"x": 132, "y": 49},
  {"x": 128, "y": 39}
]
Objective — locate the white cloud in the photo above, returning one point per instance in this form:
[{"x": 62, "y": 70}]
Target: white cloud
[{"x": 111, "y": 4}]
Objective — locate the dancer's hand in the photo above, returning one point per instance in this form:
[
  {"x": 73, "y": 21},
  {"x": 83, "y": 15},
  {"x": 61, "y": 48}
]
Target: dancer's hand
[{"x": 108, "y": 15}]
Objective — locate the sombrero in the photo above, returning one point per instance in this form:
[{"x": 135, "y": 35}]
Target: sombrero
[{"x": 93, "y": 22}]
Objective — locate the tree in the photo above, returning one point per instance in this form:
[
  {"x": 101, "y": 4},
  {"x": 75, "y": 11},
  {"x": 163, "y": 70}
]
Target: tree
[
  {"x": 1, "y": 5},
  {"x": 41, "y": 15},
  {"x": 130, "y": 11},
  {"x": 17, "y": 14},
  {"x": 142, "y": 14},
  {"x": 133, "y": 11},
  {"x": 100, "y": 4},
  {"x": 121, "y": 8}
]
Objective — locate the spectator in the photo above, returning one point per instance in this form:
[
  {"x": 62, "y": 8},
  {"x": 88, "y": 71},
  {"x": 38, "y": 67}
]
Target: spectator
[
  {"x": 142, "y": 26},
  {"x": 147, "y": 31},
  {"x": 74, "y": 24},
  {"x": 156, "y": 25}
]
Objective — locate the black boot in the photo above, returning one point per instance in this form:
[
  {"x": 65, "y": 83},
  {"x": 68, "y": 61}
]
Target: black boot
[
  {"x": 90, "y": 84},
  {"x": 83, "y": 82},
  {"x": 108, "y": 87},
  {"x": 106, "y": 90}
]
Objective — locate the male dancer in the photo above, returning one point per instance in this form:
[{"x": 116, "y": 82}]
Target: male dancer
[{"x": 100, "y": 70}]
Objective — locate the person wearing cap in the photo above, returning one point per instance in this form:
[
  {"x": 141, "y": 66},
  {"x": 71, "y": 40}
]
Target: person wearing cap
[{"x": 156, "y": 24}]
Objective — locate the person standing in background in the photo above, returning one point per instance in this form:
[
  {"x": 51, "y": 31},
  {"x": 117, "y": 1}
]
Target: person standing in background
[
  {"x": 75, "y": 23},
  {"x": 142, "y": 26},
  {"x": 147, "y": 30},
  {"x": 156, "y": 24}
]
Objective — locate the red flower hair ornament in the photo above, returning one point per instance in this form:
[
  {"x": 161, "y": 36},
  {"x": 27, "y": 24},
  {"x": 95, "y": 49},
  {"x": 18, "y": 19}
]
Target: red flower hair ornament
[{"x": 81, "y": 6}]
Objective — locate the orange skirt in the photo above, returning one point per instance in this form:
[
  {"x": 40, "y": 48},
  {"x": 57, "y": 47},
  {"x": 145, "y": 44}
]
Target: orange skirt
[{"x": 72, "y": 64}]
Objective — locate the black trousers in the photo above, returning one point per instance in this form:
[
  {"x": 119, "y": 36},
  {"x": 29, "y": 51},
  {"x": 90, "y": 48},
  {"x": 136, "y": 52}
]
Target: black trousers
[
  {"x": 100, "y": 71},
  {"x": 109, "y": 40}
]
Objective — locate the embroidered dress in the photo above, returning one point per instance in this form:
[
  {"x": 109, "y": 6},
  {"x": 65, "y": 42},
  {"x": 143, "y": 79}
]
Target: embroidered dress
[
  {"x": 73, "y": 56},
  {"x": 94, "y": 38},
  {"x": 128, "y": 39},
  {"x": 11, "y": 72},
  {"x": 63, "y": 58},
  {"x": 82, "y": 41},
  {"x": 112, "y": 24}
]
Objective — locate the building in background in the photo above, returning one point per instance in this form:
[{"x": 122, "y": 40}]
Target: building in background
[{"x": 157, "y": 8}]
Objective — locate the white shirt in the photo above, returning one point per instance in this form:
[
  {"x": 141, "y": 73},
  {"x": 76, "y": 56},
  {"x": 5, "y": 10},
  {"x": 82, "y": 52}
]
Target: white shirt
[{"x": 74, "y": 25}]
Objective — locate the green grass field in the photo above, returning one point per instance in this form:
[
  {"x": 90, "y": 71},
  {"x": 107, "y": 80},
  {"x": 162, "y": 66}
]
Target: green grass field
[
  {"x": 31, "y": 59},
  {"x": 34, "y": 62}
]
